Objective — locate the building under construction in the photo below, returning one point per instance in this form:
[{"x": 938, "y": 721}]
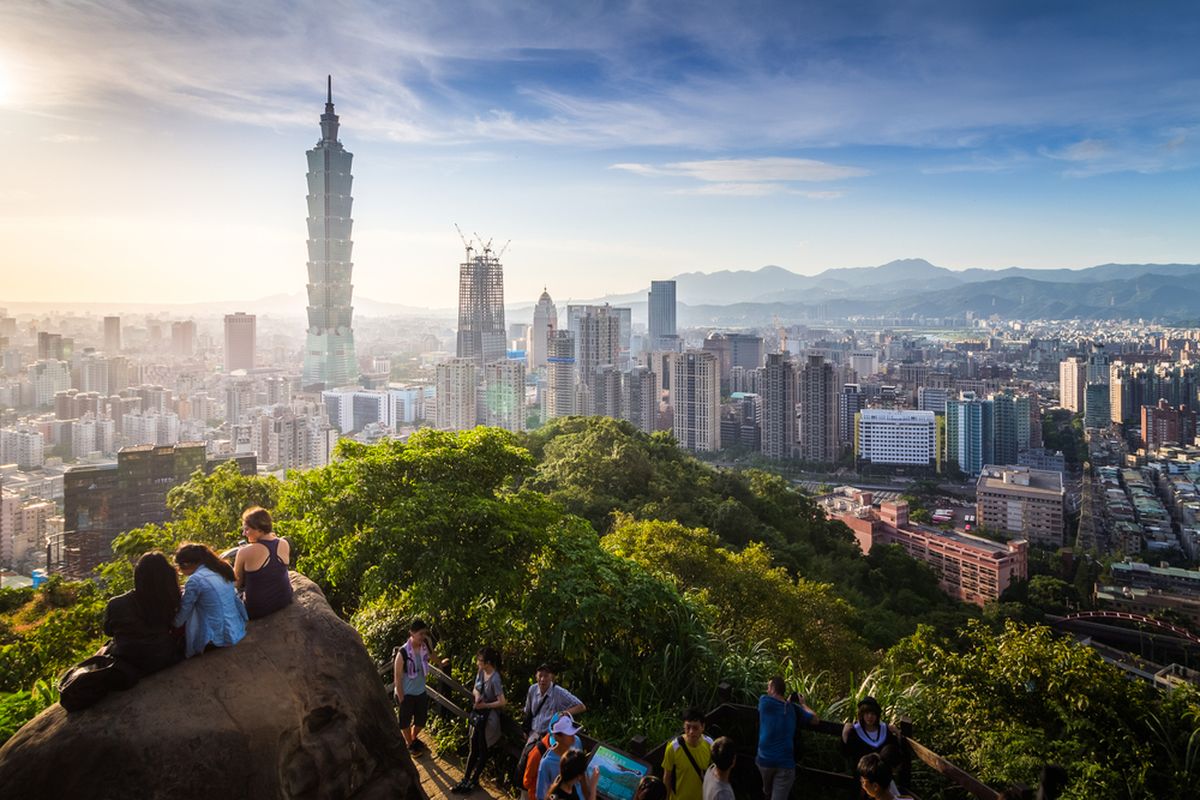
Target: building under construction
[{"x": 482, "y": 335}]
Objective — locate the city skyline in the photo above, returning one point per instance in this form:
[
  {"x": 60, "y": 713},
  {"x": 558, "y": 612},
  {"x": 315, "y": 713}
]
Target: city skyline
[{"x": 627, "y": 142}]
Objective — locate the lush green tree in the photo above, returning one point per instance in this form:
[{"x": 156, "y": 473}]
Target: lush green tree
[
  {"x": 751, "y": 598},
  {"x": 1001, "y": 706}
]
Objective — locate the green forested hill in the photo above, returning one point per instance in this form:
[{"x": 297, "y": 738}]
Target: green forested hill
[{"x": 650, "y": 578}]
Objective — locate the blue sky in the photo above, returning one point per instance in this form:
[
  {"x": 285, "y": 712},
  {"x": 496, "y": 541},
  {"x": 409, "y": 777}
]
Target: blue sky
[{"x": 157, "y": 148}]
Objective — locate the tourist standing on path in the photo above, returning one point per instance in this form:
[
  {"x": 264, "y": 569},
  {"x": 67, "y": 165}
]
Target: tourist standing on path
[
  {"x": 564, "y": 733},
  {"x": 210, "y": 610},
  {"x": 777, "y": 723},
  {"x": 543, "y": 701},
  {"x": 409, "y": 672},
  {"x": 485, "y": 717},
  {"x": 870, "y": 734},
  {"x": 875, "y": 778},
  {"x": 686, "y": 758},
  {"x": 716, "y": 779},
  {"x": 261, "y": 567}
]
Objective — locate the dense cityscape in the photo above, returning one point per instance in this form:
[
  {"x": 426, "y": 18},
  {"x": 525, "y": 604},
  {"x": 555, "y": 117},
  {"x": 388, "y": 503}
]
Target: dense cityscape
[{"x": 959, "y": 507}]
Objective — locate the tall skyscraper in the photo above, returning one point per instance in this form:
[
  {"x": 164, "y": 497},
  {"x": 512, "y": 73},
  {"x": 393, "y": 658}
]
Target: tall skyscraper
[
  {"x": 661, "y": 311},
  {"x": 329, "y": 358},
  {"x": 851, "y": 400},
  {"x": 696, "y": 399},
  {"x": 183, "y": 338},
  {"x": 597, "y": 332},
  {"x": 1010, "y": 412},
  {"x": 818, "y": 411},
  {"x": 456, "y": 394},
  {"x": 970, "y": 433},
  {"x": 112, "y": 335},
  {"x": 545, "y": 320},
  {"x": 240, "y": 341},
  {"x": 504, "y": 395},
  {"x": 640, "y": 398},
  {"x": 482, "y": 336},
  {"x": 778, "y": 392},
  {"x": 1072, "y": 378},
  {"x": 560, "y": 399}
]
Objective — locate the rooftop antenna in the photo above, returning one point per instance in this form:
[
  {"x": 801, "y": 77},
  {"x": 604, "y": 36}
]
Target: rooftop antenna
[{"x": 330, "y": 96}]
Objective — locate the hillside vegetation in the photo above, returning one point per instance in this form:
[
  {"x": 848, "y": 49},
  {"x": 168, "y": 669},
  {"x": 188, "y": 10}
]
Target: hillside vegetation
[{"x": 650, "y": 578}]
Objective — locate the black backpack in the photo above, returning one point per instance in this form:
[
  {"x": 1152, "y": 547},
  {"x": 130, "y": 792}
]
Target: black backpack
[{"x": 89, "y": 681}]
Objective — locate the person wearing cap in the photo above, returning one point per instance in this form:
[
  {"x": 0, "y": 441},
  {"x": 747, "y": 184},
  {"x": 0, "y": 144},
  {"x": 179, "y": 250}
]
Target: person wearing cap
[
  {"x": 778, "y": 719},
  {"x": 869, "y": 734},
  {"x": 563, "y": 739},
  {"x": 546, "y": 698}
]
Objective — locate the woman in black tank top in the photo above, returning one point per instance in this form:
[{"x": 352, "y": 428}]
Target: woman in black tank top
[{"x": 266, "y": 583}]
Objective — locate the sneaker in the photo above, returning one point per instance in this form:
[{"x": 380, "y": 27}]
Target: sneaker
[
  {"x": 462, "y": 787},
  {"x": 418, "y": 746}
]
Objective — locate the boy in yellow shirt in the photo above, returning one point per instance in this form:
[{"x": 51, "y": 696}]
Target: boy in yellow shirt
[{"x": 686, "y": 759}]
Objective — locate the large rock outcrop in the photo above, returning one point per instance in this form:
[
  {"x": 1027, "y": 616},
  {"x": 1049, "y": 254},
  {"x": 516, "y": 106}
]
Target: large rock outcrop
[{"x": 296, "y": 710}]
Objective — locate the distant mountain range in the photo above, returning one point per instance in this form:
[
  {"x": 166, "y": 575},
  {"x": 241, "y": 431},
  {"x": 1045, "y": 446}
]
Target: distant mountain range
[
  {"x": 1168, "y": 292},
  {"x": 914, "y": 286}
]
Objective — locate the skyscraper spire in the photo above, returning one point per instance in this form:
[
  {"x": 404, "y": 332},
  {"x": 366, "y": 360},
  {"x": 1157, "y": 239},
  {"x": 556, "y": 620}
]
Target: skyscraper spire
[
  {"x": 329, "y": 120},
  {"x": 329, "y": 356}
]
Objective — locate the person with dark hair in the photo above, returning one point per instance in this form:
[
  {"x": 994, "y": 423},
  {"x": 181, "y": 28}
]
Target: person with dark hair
[
  {"x": 261, "y": 566},
  {"x": 140, "y": 621},
  {"x": 650, "y": 788},
  {"x": 1052, "y": 782},
  {"x": 686, "y": 758},
  {"x": 572, "y": 782},
  {"x": 485, "y": 717},
  {"x": 869, "y": 734},
  {"x": 875, "y": 778},
  {"x": 210, "y": 609},
  {"x": 716, "y": 779},
  {"x": 543, "y": 702},
  {"x": 778, "y": 720},
  {"x": 409, "y": 671}
]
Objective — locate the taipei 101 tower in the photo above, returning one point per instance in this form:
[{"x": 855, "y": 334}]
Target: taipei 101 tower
[{"x": 329, "y": 358}]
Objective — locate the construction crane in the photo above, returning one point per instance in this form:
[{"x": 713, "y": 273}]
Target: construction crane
[
  {"x": 503, "y": 249},
  {"x": 465, "y": 242}
]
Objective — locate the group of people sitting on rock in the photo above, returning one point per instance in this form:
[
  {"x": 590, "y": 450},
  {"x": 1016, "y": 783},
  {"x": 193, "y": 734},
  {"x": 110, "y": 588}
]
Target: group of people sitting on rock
[{"x": 155, "y": 625}]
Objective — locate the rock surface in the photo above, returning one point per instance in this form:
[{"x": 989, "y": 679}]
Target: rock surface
[{"x": 296, "y": 710}]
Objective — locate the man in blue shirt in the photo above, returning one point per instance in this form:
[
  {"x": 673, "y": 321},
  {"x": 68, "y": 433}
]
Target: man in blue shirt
[{"x": 777, "y": 722}]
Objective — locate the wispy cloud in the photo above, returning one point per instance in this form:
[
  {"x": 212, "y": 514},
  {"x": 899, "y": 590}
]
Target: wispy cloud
[
  {"x": 748, "y": 177},
  {"x": 1168, "y": 149}
]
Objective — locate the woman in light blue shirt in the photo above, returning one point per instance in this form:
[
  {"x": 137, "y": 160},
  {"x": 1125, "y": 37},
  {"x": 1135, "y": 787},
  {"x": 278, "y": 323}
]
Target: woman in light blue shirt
[{"x": 210, "y": 610}]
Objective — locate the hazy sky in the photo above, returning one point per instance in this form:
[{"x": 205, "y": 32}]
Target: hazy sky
[{"x": 154, "y": 151}]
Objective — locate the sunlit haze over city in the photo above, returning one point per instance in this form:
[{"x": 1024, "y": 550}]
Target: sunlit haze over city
[{"x": 156, "y": 150}]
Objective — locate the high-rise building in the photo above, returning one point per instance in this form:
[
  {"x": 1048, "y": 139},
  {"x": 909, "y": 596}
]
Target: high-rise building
[
  {"x": 240, "y": 341},
  {"x": 112, "y": 335},
  {"x": 457, "y": 382},
  {"x": 640, "y": 398},
  {"x": 1162, "y": 424},
  {"x": 49, "y": 377},
  {"x": 597, "y": 332},
  {"x": 1072, "y": 378},
  {"x": 970, "y": 433},
  {"x": 696, "y": 400},
  {"x": 1023, "y": 503},
  {"x": 606, "y": 392},
  {"x": 897, "y": 437},
  {"x": 560, "y": 396},
  {"x": 778, "y": 392},
  {"x": 504, "y": 394},
  {"x": 1011, "y": 417},
  {"x": 1097, "y": 412},
  {"x": 734, "y": 350},
  {"x": 932, "y": 399},
  {"x": 103, "y": 501},
  {"x": 183, "y": 338},
  {"x": 329, "y": 357},
  {"x": 818, "y": 406},
  {"x": 661, "y": 313},
  {"x": 545, "y": 320},
  {"x": 482, "y": 336},
  {"x": 851, "y": 400}
]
